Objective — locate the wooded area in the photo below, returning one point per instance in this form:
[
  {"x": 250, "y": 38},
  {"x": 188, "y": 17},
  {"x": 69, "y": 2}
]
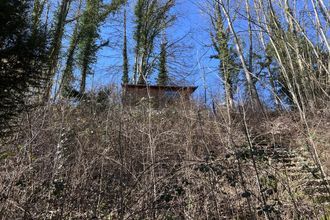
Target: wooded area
[{"x": 72, "y": 150}]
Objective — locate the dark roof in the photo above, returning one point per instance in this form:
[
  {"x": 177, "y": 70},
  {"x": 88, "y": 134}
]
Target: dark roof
[{"x": 170, "y": 87}]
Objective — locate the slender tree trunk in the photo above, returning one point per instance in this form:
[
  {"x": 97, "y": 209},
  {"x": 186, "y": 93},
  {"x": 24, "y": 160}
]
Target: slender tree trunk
[
  {"x": 56, "y": 46},
  {"x": 299, "y": 79},
  {"x": 84, "y": 71},
  {"x": 324, "y": 10},
  {"x": 125, "y": 78},
  {"x": 277, "y": 101},
  {"x": 251, "y": 54},
  {"x": 252, "y": 92},
  {"x": 135, "y": 71},
  {"x": 67, "y": 75},
  {"x": 279, "y": 59},
  {"x": 319, "y": 26},
  {"x": 163, "y": 74},
  {"x": 220, "y": 44}
]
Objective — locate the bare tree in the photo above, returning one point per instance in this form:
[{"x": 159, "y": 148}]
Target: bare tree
[{"x": 251, "y": 89}]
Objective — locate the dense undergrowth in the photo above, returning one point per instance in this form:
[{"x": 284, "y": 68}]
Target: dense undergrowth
[{"x": 101, "y": 161}]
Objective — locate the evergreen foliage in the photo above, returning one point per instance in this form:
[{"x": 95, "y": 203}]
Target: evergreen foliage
[
  {"x": 57, "y": 33},
  {"x": 150, "y": 18},
  {"x": 163, "y": 74},
  {"x": 67, "y": 89},
  {"x": 125, "y": 78},
  {"x": 93, "y": 17},
  {"x": 23, "y": 50},
  {"x": 228, "y": 66},
  {"x": 89, "y": 35},
  {"x": 153, "y": 153}
]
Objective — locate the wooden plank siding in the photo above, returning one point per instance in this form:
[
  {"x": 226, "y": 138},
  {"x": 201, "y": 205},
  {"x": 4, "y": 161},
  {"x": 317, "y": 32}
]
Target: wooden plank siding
[{"x": 159, "y": 96}]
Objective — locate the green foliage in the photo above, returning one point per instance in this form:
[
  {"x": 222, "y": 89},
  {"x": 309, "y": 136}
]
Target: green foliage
[
  {"x": 22, "y": 60},
  {"x": 38, "y": 9},
  {"x": 89, "y": 35},
  {"x": 56, "y": 34},
  {"x": 228, "y": 65},
  {"x": 125, "y": 78},
  {"x": 93, "y": 17},
  {"x": 163, "y": 74},
  {"x": 151, "y": 17},
  {"x": 67, "y": 89}
]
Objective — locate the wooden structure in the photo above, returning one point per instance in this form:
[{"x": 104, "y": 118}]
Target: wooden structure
[{"x": 159, "y": 96}]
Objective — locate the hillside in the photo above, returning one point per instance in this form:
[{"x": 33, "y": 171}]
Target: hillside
[
  {"x": 100, "y": 161},
  {"x": 165, "y": 109}
]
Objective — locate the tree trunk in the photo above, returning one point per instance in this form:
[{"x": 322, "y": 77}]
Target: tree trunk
[
  {"x": 125, "y": 78},
  {"x": 252, "y": 92},
  {"x": 56, "y": 46}
]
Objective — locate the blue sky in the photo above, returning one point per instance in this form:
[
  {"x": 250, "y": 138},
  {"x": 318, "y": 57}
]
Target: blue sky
[{"x": 191, "y": 24}]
